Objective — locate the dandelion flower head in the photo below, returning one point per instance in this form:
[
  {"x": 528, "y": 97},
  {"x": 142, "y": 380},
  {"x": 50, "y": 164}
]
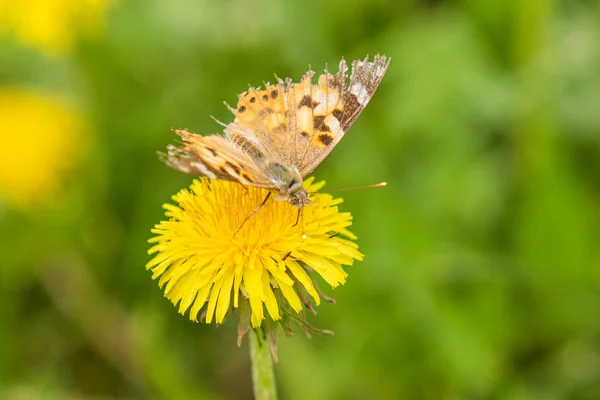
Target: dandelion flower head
[{"x": 203, "y": 264}]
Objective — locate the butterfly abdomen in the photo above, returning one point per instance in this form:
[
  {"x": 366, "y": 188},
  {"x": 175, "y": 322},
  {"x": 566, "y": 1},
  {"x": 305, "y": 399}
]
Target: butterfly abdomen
[{"x": 248, "y": 147}]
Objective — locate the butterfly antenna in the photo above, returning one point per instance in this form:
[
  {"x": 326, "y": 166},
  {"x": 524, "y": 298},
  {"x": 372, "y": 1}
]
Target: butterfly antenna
[
  {"x": 297, "y": 217},
  {"x": 253, "y": 212},
  {"x": 380, "y": 184}
]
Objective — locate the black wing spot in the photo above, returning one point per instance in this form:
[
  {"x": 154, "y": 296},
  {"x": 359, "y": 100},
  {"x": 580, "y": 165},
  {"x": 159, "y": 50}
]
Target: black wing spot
[
  {"x": 338, "y": 114},
  {"x": 307, "y": 101},
  {"x": 351, "y": 103},
  {"x": 265, "y": 97},
  {"x": 304, "y": 134},
  {"x": 242, "y": 109},
  {"x": 325, "y": 138},
  {"x": 351, "y": 110},
  {"x": 274, "y": 94},
  {"x": 319, "y": 124},
  {"x": 252, "y": 99},
  {"x": 318, "y": 120}
]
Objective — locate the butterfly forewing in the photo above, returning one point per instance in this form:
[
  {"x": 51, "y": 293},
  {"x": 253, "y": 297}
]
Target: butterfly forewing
[
  {"x": 265, "y": 114},
  {"x": 342, "y": 105},
  {"x": 215, "y": 157}
]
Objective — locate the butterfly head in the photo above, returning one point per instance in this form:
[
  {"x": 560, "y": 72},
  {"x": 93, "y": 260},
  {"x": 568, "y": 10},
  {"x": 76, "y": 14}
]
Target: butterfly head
[
  {"x": 289, "y": 184},
  {"x": 299, "y": 198}
]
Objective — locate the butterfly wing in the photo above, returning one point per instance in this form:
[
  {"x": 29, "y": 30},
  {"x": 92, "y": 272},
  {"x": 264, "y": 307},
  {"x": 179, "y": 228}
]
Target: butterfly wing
[
  {"x": 325, "y": 112},
  {"x": 262, "y": 120},
  {"x": 215, "y": 157},
  {"x": 300, "y": 123}
]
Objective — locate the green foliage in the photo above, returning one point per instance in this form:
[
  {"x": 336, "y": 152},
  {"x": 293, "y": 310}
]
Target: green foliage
[{"x": 481, "y": 275}]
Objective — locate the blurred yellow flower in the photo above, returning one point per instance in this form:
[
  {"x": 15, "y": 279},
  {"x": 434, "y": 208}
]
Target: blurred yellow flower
[
  {"x": 51, "y": 25},
  {"x": 38, "y": 137},
  {"x": 269, "y": 261}
]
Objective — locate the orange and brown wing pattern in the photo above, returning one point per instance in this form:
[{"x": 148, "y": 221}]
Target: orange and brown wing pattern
[
  {"x": 327, "y": 110},
  {"x": 262, "y": 121},
  {"x": 214, "y": 157},
  {"x": 300, "y": 123},
  {"x": 315, "y": 109},
  {"x": 265, "y": 106}
]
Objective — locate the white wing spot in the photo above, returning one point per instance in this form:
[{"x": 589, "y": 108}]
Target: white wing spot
[
  {"x": 333, "y": 124},
  {"x": 319, "y": 96},
  {"x": 360, "y": 92}
]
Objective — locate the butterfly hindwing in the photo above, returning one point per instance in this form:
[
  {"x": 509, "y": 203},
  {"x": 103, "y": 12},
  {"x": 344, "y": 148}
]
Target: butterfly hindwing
[{"x": 264, "y": 114}]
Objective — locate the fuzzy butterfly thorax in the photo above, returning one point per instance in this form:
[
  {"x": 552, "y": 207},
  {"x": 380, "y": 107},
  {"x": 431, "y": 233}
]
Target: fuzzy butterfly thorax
[{"x": 282, "y": 133}]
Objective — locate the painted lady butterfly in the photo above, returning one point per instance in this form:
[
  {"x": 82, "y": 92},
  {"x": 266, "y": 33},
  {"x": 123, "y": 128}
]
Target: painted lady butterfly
[{"x": 282, "y": 133}]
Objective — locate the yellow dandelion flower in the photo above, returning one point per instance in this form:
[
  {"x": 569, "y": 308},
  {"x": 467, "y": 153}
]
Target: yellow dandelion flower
[
  {"x": 51, "y": 25},
  {"x": 40, "y": 137},
  {"x": 204, "y": 263}
]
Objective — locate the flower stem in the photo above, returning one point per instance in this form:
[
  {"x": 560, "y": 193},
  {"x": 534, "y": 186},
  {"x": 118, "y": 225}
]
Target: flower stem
[{"x": 263, "y": 378}]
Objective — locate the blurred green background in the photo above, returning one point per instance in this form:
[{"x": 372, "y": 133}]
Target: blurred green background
[{"x": 481, "y": 276}]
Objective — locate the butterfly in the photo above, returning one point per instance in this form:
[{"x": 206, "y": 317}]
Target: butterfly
[{"x": 282, "y": 133}]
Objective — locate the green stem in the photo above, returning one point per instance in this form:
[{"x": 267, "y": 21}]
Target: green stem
[{"x": 263, "y": 378}]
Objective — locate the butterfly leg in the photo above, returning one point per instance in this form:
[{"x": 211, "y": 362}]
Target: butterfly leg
[
  {"x": 300, "y": 218},
  {"x": 297, "y": 217},
  {"x": 254, "y": 212}
]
